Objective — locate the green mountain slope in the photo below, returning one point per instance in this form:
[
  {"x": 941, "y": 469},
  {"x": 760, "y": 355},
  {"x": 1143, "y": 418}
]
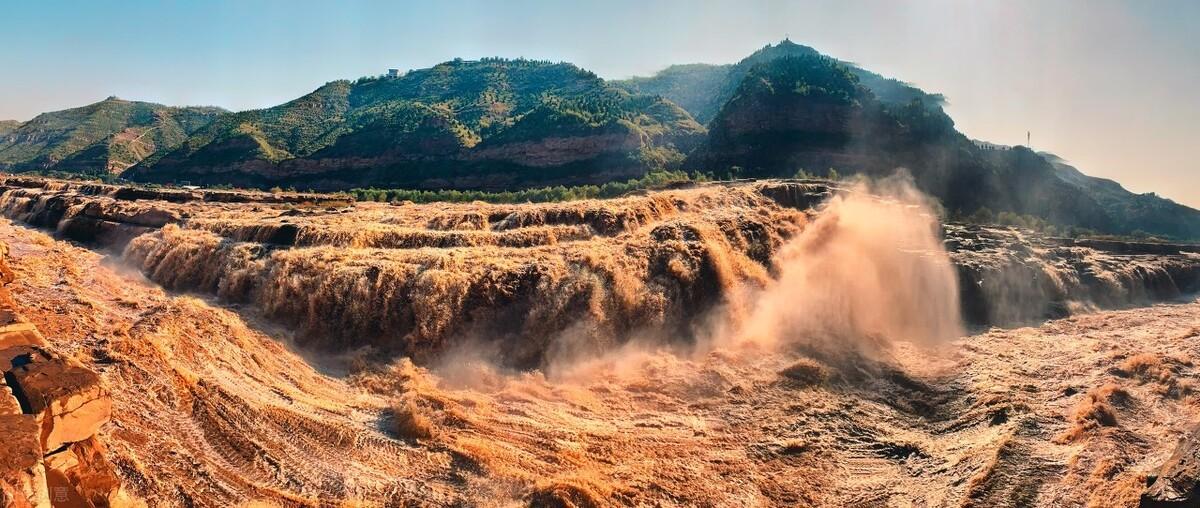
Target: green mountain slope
[
  {"x": 811, "y": 112},
  {"x": 805, "y": 111},
  {"x": 492, "y": 123},
  {"x": 696, "y": 88},
  {"x": 702, "y": 89},
  {"x": 7, "y": 126},
  {"x": 106, "y": 137},
  {"x": 498, "y": 124}
]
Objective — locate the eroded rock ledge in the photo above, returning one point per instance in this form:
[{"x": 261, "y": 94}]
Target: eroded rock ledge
[
  {"x": 50, "y": 411},
  {"x": 410, "y": 279}
]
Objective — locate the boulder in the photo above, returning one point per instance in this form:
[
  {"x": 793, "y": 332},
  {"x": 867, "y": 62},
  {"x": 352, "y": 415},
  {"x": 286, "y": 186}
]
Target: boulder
[
  {"x": 15, "y": 356},
  {"x": 6, "y": 274},
  {"x": 1178, "y": 482},
  {"x": 22, "y": 476},
  {"x": 68, "y": 399},
  {"x": 19, "y": 334},
  {"x": 80, "y": 476}
]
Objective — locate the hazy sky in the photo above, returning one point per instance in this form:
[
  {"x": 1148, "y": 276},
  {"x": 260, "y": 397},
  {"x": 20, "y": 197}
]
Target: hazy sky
[{"x": 1110, "y": 86}]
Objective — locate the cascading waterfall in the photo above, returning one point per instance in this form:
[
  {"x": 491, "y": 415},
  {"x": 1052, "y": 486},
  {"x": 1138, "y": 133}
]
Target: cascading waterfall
[{"x": 573, "y": 278}]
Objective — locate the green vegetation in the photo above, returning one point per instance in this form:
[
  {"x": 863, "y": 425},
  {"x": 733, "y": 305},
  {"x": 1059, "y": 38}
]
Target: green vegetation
[
  {"x": 703, "y": 89},
  {"x": 538, "y": 195},
  {"x": 100, "y": 138},
  {"x": 830, "y": 174},
  {"x": 694, "y": 87},
  {"x": 441, "y": 120},
  {"x": 796, "y": 104},
  {"x": 471, "y": 128},
  {"x": 7, "y": 126},
  {"x": 986, "y": 216}
]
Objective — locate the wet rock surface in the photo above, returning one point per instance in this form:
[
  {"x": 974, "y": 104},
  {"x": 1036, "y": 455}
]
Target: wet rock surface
[
  {"x": 1178, "y": 482},
  {"x": 1010, "y": 277},
  {"x": 408, "y": 279}
]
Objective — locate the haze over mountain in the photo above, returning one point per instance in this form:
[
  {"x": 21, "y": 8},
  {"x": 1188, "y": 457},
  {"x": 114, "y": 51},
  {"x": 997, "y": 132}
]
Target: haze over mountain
[{"x": 498, "y": 124}]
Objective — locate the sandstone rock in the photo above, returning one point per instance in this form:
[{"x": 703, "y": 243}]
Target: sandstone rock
[
  {"x": 136, "y": 214},
  {"x": 101, "y": 232},
  {"x": 50, "y": 410},
  {"x": 9, "y": 405},
  {"x": 6, "y": 274},
  {"x": 138, "y": 194},
  {"x": 81, "y": 476},
  {"x": 68, "y": 399},
  {"x": 22, "y": 477},
  {"x": 11, "y": 497},
  {"x": 1178, "y": 482},
  {"x": 19, "y": 334},
  {"x": 556, "y": 151},
  {"x": 797, "y": 194},
  {"x": 16, "y": 356}
]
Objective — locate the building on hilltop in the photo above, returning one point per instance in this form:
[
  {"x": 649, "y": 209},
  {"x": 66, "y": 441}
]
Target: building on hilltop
[{"x": 984, "y": 145}]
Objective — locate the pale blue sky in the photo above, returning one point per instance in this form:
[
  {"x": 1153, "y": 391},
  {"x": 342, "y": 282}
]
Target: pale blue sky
[{"x": 1110, "y": 86}]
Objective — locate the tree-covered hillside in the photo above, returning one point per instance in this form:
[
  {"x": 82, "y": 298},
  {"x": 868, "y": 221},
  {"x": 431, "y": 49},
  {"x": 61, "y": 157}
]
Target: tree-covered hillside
[
  {"x": 106, "y": 137},
  {"x": 694, "y": 87},
  {"x": 504, "y": 125},
  {"x": 492, "y": 123},
  {"x": 702, "y": 89},
  {"x": 7, "y": 126},
  {"x": 804, "y": 111}
]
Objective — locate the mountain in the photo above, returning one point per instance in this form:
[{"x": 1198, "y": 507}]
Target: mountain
[
  {"x": 7, "y": 126},
  {"x": 499, "y": 124},
  {"x": 106, "y": 137},
  {"x": 1132, "y": 212},
  {"x": 805, "y": 111},
  {"x": 794, "y": 109},
  {"x": 702, "y": 89},
  {"x": 493, "y": 124},
  {"x": 696, "y": 88}
]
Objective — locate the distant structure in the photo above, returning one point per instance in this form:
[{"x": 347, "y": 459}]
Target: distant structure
[
  {"x": 984, "y": 145},
  {"x": 393, "y": 73}
]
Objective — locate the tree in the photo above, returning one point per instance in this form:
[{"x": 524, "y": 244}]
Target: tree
[{"x": 982, "y": 215}]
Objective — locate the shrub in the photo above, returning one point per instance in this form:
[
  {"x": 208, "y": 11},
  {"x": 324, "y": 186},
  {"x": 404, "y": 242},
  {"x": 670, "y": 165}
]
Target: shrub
[
  {"x": 408, "y": 421},
  {"x": 806, "y": 372}
]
